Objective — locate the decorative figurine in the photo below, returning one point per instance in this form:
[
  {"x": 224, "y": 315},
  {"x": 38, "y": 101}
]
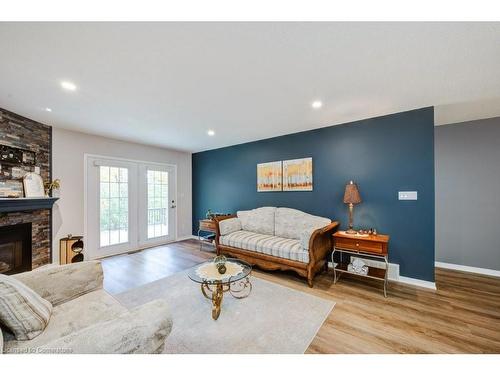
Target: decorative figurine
[
  {"x": 222, "y": 269},
  {"x": 220, "y": 263}
]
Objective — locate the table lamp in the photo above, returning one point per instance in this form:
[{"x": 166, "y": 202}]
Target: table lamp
[{"x": 351, "y": 197}]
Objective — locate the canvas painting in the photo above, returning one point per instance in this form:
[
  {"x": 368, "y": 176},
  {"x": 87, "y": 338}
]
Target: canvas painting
[
  {"x": 298, "y": 175},
  {"x": 269, "y": 176}
]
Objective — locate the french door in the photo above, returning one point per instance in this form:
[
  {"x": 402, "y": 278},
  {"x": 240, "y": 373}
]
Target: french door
[
  {"x": 156, "y": 204},
  {"x": 129, "y": 205}
]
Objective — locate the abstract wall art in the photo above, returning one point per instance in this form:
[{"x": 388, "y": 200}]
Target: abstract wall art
[
  {"x": 269, "y": 176},
  {"x": 298, "y": 175}
]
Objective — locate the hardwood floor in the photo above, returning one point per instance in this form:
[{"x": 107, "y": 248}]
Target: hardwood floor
[
  {"x": 124, "y": 272},
  {"x": 462, "y": 316}
]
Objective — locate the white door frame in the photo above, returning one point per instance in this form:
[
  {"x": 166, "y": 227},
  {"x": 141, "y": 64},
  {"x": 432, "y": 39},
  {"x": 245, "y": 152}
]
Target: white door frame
[{"x": 86, "y": 156}]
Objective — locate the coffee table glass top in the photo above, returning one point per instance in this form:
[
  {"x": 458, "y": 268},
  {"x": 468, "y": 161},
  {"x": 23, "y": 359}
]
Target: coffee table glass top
[{"x": 206, "y": 273}]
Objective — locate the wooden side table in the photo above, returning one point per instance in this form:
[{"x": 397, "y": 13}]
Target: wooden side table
[
  {"x": 209, "y": 226},
  {"x": 206, "y": 225},
  {"x": 371, "y": 247}
]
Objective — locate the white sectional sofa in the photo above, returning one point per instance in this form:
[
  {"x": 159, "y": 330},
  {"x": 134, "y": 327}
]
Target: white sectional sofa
[
  {"x": 86, "y": 319},
  {"x": 277, "y": 238}
]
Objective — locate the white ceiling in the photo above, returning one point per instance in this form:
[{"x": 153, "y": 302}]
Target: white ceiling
[{"x": 166, "y": 84}]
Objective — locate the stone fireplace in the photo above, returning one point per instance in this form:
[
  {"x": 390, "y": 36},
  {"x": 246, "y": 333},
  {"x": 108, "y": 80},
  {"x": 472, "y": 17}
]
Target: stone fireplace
[
  {"x": 25, "y": 224},
  {"x": 39, "y": 222}
]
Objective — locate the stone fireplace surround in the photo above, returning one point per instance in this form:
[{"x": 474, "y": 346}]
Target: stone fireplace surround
[
  {"x": 40, "y": 233},
  {"x": 20, "y": 132}
]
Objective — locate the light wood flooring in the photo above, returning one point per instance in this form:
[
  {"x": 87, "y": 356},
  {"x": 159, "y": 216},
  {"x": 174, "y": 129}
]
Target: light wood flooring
[{"x": 462, "y": 316}]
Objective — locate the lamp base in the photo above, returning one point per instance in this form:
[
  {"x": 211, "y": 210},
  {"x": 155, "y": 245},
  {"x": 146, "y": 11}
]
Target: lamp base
[{"x": 351, "y": 231}]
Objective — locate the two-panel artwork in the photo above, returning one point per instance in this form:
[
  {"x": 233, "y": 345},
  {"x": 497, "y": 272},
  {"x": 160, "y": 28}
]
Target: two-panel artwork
[{"x": 287, "y": 175}]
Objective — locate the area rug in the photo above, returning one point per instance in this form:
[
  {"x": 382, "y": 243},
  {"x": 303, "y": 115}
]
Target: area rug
[{"x": 273, "y": 319}]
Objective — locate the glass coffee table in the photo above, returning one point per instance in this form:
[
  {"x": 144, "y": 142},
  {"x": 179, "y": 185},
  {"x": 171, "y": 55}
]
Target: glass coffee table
[{"x": 236, "y": 281}]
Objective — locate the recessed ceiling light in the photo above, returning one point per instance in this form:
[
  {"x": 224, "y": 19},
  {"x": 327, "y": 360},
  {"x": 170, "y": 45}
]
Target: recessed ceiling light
[
  {"x": 67, "y": 85},
  {"x": 211, "y": 133},
  {"x": 317, "y": 104},
  {"x": 48, "y": 109}
]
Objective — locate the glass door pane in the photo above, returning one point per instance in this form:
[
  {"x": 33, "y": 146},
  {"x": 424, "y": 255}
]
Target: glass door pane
[
  {"x": 114, "y": 206},
  {"x": 157, "y": 201}
]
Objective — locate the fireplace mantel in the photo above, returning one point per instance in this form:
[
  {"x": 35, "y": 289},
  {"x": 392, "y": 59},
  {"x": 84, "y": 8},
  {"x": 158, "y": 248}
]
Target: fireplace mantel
[{"x": 26, "y": 204}]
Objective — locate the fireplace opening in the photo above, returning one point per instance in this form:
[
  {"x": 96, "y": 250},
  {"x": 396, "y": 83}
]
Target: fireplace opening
[{"x": 15, "y": 248}]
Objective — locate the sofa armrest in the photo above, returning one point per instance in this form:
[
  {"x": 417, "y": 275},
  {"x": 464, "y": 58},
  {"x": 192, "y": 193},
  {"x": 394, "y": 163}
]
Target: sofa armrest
[
  {"x": 63, "y": 283},
  {"x": 229, "y": 226},
  {"x": 305, "y": 237},
  {"x": 142, "y": 330},
  {"x": 320, "y": 242},
  {"x": 217, "y": 229}
]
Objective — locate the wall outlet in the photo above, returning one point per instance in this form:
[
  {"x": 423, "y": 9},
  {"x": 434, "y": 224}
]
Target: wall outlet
[{"x": 407, "y": 195}]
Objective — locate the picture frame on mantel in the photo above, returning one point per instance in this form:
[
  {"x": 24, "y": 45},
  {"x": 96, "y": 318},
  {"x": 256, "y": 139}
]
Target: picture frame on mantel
[{"x": 33, "y": 185}]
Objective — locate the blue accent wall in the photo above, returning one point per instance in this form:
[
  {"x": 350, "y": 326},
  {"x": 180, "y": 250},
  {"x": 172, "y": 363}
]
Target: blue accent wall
[{"x": 383, "y": 155}]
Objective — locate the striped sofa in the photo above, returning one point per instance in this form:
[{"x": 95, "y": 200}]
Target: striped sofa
[{"x": 277, "y": 238}]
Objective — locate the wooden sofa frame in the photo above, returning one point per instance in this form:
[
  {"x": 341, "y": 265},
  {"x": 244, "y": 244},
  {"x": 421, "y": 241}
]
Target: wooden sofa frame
[{"x": 320, "y": 244}]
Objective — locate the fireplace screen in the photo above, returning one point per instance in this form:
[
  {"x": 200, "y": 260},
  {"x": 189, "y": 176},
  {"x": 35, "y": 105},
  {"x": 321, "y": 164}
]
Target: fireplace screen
[
  {"x": 15, "y": 248},
  {"x": 11, "y": 256}
]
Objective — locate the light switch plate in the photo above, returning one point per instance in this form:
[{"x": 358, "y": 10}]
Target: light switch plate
[
  {"x": 407, "y": 195},
  {"x": 37, "y": 170}
]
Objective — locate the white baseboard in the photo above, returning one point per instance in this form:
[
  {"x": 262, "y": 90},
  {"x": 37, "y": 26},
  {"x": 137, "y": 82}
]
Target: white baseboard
[
  {"x": 394, "y": 274},
  {"x": 417, "y": 282},
  {"x": 459, "y": 267},
  {"x": 190, "y": 237}
]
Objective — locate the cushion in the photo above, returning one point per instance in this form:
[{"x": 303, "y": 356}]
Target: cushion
[
  {"x": 263, "y": 243},
  {"x": 142, "y": 330},
  {"x": 291, "y": 223},
  {"x": 229, "y": 226},
  {"x": 22, "y": 311},
  {"x": 52, "y": 283},
  {"x": 259, "y": 220},
  {"x": 72, "y": 316}
]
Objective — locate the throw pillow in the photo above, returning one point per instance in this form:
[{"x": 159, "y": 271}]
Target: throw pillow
[{"x": 22, "y": 311}]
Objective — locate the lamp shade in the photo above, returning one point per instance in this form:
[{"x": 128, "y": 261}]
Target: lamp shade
[{"x": 351, "y": 194}]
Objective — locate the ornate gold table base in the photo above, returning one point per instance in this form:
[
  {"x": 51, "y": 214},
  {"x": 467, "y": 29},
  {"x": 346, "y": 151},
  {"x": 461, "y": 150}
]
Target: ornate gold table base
[{"x": 215, "y": 292}]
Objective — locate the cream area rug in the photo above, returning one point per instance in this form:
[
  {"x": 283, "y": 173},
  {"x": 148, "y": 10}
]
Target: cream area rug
[{"x": 272, "y": 319}]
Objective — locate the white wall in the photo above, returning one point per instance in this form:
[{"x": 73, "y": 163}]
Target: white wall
[{"x": 68, "y": 149}]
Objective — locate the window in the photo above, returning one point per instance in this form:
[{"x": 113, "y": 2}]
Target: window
[
  {"x": 157, "y": 186},
  {"x": 113, "y": 213}
]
